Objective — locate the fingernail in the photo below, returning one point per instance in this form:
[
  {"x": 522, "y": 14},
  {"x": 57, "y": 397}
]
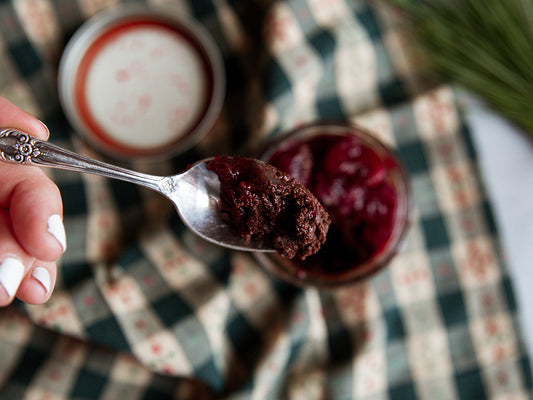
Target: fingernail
[
  {"x": 45, "y": 127},
  {"x": 57, "y": 229},
  {"x": 11, "y": 274},
  {"x": 42, "y": 276}
]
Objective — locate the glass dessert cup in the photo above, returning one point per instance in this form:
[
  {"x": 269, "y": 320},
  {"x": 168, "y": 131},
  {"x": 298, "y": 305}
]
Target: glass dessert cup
[{"x": 365, "y": 189}]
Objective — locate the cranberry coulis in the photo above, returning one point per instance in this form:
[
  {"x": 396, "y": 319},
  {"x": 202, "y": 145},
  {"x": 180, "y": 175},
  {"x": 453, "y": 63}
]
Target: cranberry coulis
[
  {"x": 265, "y": 203},
  {"x": 351, "y": 180}
]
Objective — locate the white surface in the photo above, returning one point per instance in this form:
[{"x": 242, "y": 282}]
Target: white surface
[
  {"x": 146, "y": 87},
  {"x": 506, "y": 159}
]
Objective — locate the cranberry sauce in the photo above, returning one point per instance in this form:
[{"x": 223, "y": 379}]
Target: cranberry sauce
[
  {"x": 265, "y": 203},
  {"x": 351, "y": 180}
]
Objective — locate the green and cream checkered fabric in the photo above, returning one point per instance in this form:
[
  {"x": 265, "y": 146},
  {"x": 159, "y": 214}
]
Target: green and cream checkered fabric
[{"x": 146, "y": 310}]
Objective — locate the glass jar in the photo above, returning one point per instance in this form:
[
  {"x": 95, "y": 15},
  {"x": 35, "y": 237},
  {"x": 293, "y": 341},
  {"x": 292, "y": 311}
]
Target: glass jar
[{"x": 365, "y": 189}]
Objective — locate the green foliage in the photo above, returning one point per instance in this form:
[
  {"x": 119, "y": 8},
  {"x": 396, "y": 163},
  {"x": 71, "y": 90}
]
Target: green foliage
[{"x": 485, "y": 46}]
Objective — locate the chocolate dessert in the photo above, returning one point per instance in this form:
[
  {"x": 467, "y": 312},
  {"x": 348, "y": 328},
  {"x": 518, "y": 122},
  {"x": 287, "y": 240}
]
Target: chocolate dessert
[{"x": 264, "y": 203}]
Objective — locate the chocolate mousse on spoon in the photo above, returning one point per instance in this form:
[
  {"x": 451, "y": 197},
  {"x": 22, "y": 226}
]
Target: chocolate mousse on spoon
[{"x": 264, "y": 203}]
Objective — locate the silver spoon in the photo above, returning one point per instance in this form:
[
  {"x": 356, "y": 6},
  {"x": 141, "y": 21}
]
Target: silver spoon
[{"x": 195, "y": 192}]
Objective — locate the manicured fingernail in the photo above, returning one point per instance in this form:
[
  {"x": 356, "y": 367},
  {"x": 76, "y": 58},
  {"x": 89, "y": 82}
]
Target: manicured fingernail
[
  {"x": 42, "y": 276},
  {"x": 57, "y": 229},
  {"x": 45, "y": 127},
  {"x": 11, "y": 274}
]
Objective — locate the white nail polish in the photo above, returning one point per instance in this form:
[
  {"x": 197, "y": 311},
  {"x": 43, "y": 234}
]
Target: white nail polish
[
  {"x": 42, "y": 276},
  {"x": 11, "y": 274},
  {"x": 57, "y": 229}
]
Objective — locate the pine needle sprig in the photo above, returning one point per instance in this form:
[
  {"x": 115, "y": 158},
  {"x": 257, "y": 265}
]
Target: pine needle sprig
[{"x": 485, "y": 46}]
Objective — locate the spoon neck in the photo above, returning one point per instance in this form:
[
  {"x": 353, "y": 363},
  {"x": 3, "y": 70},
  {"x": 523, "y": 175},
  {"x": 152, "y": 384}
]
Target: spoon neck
[{"x": 19, "y": 148}]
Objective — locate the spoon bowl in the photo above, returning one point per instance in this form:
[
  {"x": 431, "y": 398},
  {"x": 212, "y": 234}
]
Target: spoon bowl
[{"x": 195, "y": 192}]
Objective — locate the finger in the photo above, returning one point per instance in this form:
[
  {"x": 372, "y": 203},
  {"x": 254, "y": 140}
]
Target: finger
[
  {"x": 38, "y": 284},
  {"x": 14, "y": 117},
  {"x": 14, "y": 261},
  {"x": 36, "y": 214}
]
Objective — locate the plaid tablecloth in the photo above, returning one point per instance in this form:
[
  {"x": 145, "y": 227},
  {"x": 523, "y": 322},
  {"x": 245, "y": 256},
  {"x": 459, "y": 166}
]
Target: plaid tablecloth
[{"x": 145, "y": 310}]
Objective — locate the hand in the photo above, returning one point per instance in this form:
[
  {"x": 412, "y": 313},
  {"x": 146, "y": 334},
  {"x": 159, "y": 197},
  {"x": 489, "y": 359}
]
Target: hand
[{"x": 32, "y": 236}]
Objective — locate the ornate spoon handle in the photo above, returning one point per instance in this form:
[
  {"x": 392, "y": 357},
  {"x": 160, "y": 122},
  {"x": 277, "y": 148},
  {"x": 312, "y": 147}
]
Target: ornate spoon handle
[{"x": 20, "y": 148}]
